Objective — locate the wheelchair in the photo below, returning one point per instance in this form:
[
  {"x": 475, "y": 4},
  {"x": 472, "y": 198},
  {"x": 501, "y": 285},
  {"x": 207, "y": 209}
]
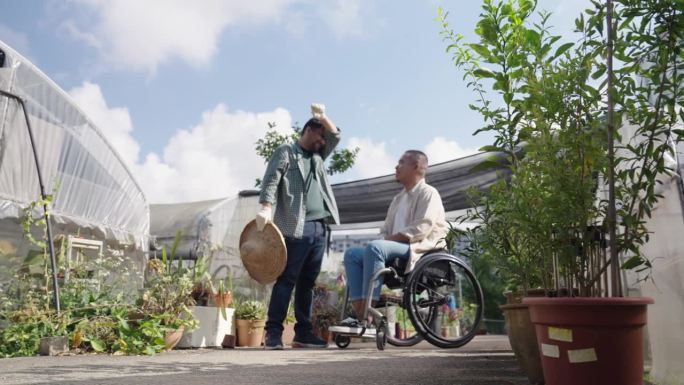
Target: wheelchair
[{"x": 425, "y": 307}]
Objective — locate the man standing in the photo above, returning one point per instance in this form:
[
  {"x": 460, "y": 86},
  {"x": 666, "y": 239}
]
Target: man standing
[
  {"x": 296, "y": 183},
  {"x": 415, "y": 224}
]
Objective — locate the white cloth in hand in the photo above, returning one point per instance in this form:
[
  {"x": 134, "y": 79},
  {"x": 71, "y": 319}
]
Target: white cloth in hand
[
  {"x": 263, "y": 217},
  {"x": 317, "y": 110}
]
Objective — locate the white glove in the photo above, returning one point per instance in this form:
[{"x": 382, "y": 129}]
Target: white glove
[
  {"x": 317, "y": 110},
  {"x": 263, "y": 217}
]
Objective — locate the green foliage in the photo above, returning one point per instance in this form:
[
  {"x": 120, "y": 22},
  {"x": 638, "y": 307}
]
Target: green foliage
[
  {"x": 648, "y": 84},
  {"x": 250, "y": 310},
  {"x": 340, "y": 160},
  {"x": 97, "y": 315},
  {"x": 539, "y": 93},
  {"x": 544, "y": 104},
  {"x": 26, "y": 327}
]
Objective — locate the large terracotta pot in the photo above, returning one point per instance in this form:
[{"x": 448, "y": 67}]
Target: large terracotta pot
[
  {"x": 250, "y": 332},
  {"x": 590, "y": 341},
  {"x": 523, "y": 339},
  {"x": 172, "y": 337}
]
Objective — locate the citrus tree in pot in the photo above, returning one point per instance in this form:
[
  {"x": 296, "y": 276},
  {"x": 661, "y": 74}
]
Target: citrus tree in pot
[{"x": 567, "y": 121}]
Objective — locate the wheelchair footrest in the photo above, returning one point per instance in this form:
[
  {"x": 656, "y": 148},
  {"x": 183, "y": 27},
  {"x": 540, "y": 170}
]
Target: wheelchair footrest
[{"x": 352, "y": 331}]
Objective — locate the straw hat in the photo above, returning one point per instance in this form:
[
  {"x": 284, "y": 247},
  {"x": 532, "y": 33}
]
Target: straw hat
[{"x": 263, "y": 252}]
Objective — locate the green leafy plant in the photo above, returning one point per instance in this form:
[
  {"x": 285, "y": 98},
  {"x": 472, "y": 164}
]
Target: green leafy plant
[
  {"x": 340, "y": 160},
  {"x": 26, "y": 327},
  {"x": 250, "y": 310},
  {"x": 546, "y": 128},
  {"x": 546, "y": 222},
  {"x": 97, "y": 313}
]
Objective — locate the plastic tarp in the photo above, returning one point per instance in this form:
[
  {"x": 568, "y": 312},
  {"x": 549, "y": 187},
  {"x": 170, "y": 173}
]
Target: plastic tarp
[
  {"x": 210, "y": 228},
  {"x": 666, "y": 284},
  {"x": 367, "y": 200},
  {"x": 213, "y": 227},
  {"x": 94, "y": 193}
]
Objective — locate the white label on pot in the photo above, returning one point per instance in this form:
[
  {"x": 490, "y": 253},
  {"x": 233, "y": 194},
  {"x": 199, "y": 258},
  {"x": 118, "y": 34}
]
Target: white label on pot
[
  {"x": 550, "y": 350},
  {"x": 560, "y": 334},
  {"x": 582, "y": 355}
]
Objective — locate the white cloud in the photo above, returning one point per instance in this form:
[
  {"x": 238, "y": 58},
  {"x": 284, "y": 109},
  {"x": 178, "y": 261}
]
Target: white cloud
[
  {"x": 373, "y": 159},
  {"x": 215, "y": 158},
  {"x": 141, "y": 35},
  {"x": 343, "y": 16},
  {"x": 441, "y": 150},
  {"x": 115, "y": 123}
]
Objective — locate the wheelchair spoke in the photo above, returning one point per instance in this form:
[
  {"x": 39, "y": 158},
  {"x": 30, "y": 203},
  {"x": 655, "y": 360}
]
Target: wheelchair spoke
[{"x": 444, "y": 300}]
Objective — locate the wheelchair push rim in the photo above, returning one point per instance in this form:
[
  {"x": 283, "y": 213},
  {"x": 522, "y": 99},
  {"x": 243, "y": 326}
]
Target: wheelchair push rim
[{"x": 441, "y": 283}]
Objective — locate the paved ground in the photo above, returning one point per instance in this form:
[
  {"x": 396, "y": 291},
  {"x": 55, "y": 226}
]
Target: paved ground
[{"x": 485, "y": 360}]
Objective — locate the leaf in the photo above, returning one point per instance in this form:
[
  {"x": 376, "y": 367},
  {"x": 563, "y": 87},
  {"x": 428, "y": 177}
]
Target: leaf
[
  {"x": 633, "y": 262},
  {"x": 484, "y": 73},
  {"x": 97, "y": 345},
  {"x": 489, "y": 148},
  {"x": 481, "y": 50},
  {"x": 599, "y": 72},
  {"x": 562, "y": 49}
]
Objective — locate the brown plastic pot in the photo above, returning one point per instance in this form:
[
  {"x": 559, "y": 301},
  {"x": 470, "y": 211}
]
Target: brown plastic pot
[{"x": 590, "y": 341}]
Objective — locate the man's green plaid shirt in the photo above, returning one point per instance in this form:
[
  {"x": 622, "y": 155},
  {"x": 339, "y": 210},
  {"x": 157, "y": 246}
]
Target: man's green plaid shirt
[{"x": 283, "y": 185}]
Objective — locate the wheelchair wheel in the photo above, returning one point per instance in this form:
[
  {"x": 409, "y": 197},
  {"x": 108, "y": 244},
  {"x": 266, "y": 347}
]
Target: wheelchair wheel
[
  {"x": 381, "y": 336},
  {"x": 342, "y": 341},
  {"x": 406, "y": 335},
  {"x": 444, "y": 287}
]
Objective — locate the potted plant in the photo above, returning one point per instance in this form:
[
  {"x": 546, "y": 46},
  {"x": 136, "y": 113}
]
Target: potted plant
[
  {"x": 250, "y": 316},
  {"x": 551, "y": 105},
  {"x": 223, "y": 297},
  {"x": 167, "y": 296},
  {"x": 202, "y": 287},
  {"x": 404, "y": 327},
  {"x": 323, "y": 317}
]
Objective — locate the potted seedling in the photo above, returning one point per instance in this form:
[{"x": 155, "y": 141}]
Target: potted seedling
[{"x": 250, "y": 317}]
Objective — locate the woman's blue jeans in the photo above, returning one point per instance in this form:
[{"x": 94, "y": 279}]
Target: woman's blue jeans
[
  {"x": 361, "y": 263},
  {"x": 304, "y": 258}
]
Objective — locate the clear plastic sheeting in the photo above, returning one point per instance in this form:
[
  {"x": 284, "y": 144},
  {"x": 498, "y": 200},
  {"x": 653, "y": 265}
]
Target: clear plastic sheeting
[
  {"x": 94, "y": 193},
  {"x": 208, "y": 228}
]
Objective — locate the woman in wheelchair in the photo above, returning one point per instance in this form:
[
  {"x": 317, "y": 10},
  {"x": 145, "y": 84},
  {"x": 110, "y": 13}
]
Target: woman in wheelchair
[
  {"x": 415, "y": 223},
  {"x": 414, "y": 228}
]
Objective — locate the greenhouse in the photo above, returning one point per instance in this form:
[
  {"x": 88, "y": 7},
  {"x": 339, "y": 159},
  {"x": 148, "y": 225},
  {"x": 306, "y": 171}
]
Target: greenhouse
[{"x": 96, "y": 204}]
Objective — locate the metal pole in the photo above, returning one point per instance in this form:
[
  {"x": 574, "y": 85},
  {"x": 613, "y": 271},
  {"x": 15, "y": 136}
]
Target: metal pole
[
  {"x": 43, "y": 196},
  {"x": 615, "y": 279}
]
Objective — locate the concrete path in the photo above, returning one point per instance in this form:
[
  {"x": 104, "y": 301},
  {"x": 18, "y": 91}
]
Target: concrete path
[{"x": 485, "y": 360}]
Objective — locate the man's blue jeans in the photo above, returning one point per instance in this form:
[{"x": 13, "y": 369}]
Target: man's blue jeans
[
  {"x": 361, "y": 263},
  {"x": 304, "y": 258}
]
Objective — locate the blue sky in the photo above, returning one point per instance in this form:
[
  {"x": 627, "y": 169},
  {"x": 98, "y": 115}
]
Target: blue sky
[{"x": 183, "y": 89}]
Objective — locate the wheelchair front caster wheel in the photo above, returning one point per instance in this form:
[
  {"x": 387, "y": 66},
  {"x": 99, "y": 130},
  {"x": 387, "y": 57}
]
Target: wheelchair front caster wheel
[
  {"x": 380, "y": 339},
  {"x": 342, "y": 341}
]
